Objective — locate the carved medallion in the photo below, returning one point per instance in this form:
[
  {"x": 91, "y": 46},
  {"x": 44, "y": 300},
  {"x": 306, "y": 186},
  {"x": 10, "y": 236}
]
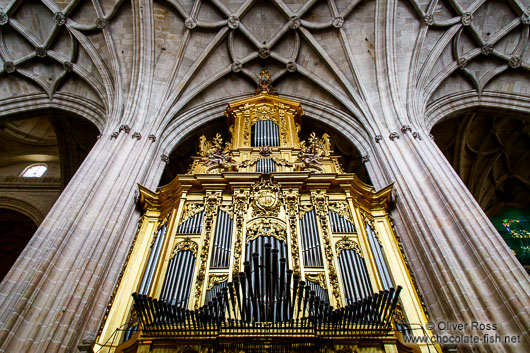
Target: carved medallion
[{"x": 265, "y": 197}]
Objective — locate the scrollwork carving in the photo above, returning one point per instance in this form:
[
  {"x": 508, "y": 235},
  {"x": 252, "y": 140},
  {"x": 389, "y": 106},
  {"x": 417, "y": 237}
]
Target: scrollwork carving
[
  {"x": 186, "y": 245},
  {"x": 320, "y": 201},
  {"x": 216, "y": 279},
  {"x": 291, "y": 199},
  {"x": 342, "y": 209},
  {"x": 211, "y": 203},
  {"x": 318, "y": 278},
  {"x": 266, "y": 227},
  {"x": 347, "y": 244},
  {"x": 190, "y": 209},
  {"x": 240, "y": 200},
  {"x": 265, "y": 199}
]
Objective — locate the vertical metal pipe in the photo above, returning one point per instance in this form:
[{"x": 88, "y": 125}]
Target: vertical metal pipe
[
  {"x": 176, "y": 289},
  {"x": 308, "y": 242},
  {"x": 353, "y": 271},
  {"x": 187, "y": 264},
  {"x": 167, "y": 280},
  {"x": 363, "y": 287},
  {"x": 316, "y": 241},
  {"x": 345, "y": 280},
  {"x": 224, "y": 245}
]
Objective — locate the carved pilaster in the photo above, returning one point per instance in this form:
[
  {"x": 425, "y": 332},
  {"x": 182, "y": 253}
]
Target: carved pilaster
[
  {"x": 291, "y": 198},
  {"x": 211, "y": 203},
  {"x": 240, "y": 208},
  {"x": 320, "y": 201}
]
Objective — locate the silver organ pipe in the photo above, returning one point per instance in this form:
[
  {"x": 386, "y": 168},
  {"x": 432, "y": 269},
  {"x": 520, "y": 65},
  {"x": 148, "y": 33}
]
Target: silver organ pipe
[
  {"x": 212, "y": 292},
  {"x": 265, "y": 133},
  {"x": 310, "y": 240},
  {"x": 340, "y": 224},
  {"x": 377, "y": 250},
  {"x": 192, "y": 225},
  {"x": 354, "y": 276},
  {"x": 319, "y": 291},
  {"x": 177, "y": 284},
  {"x": 223, "y": 241},
  {"x": 257, "y": 246},
  {"x": 265, "y": 165},
  {"x": 153, "y": 260}
]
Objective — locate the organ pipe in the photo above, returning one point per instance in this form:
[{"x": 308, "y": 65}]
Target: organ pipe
[
  {"x": 310, "y": 240},
  {"x": 223, "y": 241},
  {"x": 179, "y": 276},
  {"x": 152, "y": 261},
  {"x": 354, "y": 276},
  {"x": 377, "y": 251}
]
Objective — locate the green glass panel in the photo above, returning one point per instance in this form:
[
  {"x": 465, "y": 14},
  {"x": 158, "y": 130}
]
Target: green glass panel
[{"x": 514, "y": 226}]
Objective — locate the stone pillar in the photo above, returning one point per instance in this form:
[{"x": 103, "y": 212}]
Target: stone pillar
[
  {"x": 464, "y": 269},
  {"x": 56, "y": 293}
]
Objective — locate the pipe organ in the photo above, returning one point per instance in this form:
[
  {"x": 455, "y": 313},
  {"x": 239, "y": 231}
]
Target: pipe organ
[{"x": 264, "y": 243}]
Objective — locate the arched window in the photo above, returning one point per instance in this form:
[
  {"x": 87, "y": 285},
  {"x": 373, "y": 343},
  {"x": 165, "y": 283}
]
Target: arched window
[{"x": 35, "y": 170}]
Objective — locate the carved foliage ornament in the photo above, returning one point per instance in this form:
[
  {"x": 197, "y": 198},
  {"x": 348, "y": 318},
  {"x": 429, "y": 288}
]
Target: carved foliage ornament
[
  {"x": 265, "y": 199},
  {"x": 342, "y": 209},
  {"x": 347, "y": 244},
  {"x": 190, "y": 209},
  {"x": 211, "y": 202},
  {"x": 314, "y": 149},
  {"x": 318, "y": 278},
  {"x": 291, "y": 199},
  {"x": 240, "y": 208},
  {"x": 186, "y": 245},
  {"x": 216, "y": 154},
  {"x": 267, "y": 227},
  {"x": 216, "y": 279}
]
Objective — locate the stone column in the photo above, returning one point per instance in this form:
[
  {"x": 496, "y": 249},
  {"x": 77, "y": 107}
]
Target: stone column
[
  {"x": 56, "y": 293},
  {"x": 464, "y": 268}
]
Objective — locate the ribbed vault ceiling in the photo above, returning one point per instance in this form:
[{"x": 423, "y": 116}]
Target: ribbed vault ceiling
[{"x": 145, "y": 62}]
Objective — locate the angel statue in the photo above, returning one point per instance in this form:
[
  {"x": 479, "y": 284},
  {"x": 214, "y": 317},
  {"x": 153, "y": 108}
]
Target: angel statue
[
  {"x": 264, "y": 84},
  {"x": 314, "y": 149},
  {"x": 216, "y": 154}
]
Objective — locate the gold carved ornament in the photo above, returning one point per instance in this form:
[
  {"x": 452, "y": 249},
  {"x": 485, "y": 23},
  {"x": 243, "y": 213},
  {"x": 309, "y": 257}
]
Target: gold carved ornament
[
  {"x": 265, "y": 152},
  {"x": 369, "y": 221},
  {"x": 314, "y": 150},
  {"x": 291, "y": 199},
  {"x": 185, "y": 245},
  {"x": 190, "y": 210},
  {"x": 304, "y": 209},
  {"x": 320, "y": 201},
  {"x": 347, "y": 244},
  {"x": 318, "y": 278},
  {"x": 216, "y": 279},
  {"x": 216, "y": 154},
  {"x": 240, "y": 200},
  {"x": 342, "y": 209},
  {"x": 265, "y": 199},
  {"x": 266, "y": 227},
  {"x": 212, "y": 201}
]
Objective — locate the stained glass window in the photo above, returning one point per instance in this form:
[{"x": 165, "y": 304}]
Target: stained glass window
[{"x": 514, "y": 226}]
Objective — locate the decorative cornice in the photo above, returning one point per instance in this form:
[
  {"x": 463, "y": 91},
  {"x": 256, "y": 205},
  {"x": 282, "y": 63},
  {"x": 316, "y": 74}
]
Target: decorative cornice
[{"x": 29, "y": 182}]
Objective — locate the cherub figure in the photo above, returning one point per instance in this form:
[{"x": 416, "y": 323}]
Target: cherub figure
[
  {"x": 314, "y": 149},
  {"x": 217, "y": 154}
]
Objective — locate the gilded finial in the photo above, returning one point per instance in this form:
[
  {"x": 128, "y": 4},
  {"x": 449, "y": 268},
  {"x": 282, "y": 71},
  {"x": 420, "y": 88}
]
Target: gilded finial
[{"x": 264, "y": 84}]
